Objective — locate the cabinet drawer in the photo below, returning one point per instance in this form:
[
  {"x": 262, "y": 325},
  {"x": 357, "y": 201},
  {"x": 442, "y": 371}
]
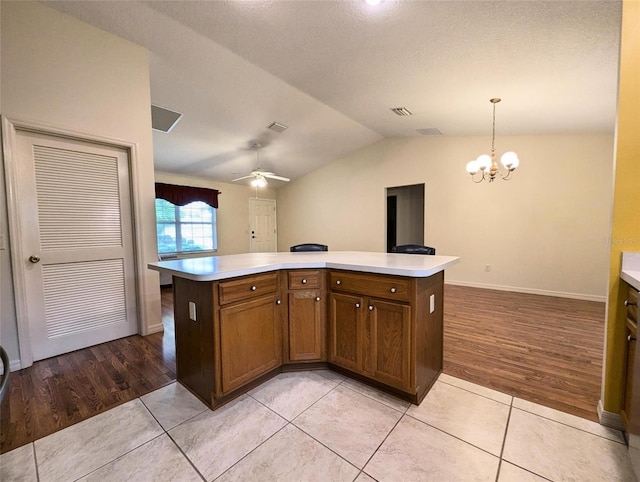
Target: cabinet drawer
[
  {"x": 377, "y": 286},
  {"x": 301, "y": 279},
  {"x": 247, "y": 288},
  {"x": 632, "y": 305}
]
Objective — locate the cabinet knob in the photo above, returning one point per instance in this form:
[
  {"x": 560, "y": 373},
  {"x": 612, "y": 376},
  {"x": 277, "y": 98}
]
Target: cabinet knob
[
  {"x": 631, "y": 338},
  {"x": 393, "y": 290},
  {"x": 338, "y": 282},
  {"x": 253, "y": 288},
  {"x": 278, "y": 302},
  {"x": 317, "y": 298},
  {"x": 357, "y": 305},
  {"x": 304, "y": 281},
  {"x": 370, "y": 307},
  {"x": 629, "y": 303}
]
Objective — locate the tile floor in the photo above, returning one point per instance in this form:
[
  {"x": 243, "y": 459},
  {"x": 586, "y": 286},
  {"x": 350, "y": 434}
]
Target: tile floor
[{"x": 319, "y": 426}]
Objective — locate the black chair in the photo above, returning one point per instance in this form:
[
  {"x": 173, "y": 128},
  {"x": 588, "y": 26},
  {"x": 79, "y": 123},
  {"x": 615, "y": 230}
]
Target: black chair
[
  {"x": 309, "y": 247},
  {"x": 413, "y": 249}
]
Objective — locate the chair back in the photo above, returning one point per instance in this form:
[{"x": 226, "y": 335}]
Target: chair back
[
  {"x": 413, "y": 249},
  {"x": 309, "y": 247}
]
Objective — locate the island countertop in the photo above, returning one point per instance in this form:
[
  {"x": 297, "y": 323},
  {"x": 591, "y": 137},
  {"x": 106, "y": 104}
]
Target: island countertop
[{"x": 212, "y": 268}]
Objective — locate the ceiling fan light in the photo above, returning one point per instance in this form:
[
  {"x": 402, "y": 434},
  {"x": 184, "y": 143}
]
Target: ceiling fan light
[
  {"x": 510, "y": 160},
  {"x": 259, "y": 181}
]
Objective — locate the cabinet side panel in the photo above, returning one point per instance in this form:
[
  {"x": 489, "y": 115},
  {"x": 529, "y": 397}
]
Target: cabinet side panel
[
  {"x": 429, "y": 332},
  {"x": 194, "y": 339}
]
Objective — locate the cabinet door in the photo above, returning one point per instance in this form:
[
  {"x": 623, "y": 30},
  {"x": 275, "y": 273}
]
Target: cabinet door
[
  {"x": 251, "y": 341},
  {"x": 306, "y": 325},
  {"x": 345, "y": 330},
  {"x": 387, "y": 343}
]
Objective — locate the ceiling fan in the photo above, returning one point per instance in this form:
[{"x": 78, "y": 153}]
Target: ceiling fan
[{"x": 259, "y": 176}]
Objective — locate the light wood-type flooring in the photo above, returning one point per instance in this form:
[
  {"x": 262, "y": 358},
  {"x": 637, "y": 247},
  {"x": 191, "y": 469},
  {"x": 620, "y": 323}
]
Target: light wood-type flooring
[{"x": 544, "y": 349}]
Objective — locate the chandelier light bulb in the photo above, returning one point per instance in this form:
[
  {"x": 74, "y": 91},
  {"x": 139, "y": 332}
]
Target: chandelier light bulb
[
  {"x": 483, "y": 162},
  {"x": 510, "y": 160},
  {"x": 472, "y": 167}
]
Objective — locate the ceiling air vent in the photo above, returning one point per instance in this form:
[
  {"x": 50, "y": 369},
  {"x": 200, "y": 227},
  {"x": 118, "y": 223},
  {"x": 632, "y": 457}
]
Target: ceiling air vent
[
  {"x": 276, "y": 126},
  {"x": 401, "y": 111},
  {"x": 429, "y": 131},
  {"x": 162, "y": 119}
]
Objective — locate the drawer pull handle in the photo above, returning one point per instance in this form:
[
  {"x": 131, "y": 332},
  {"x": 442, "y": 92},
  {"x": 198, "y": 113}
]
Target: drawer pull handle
[
  {"x": 357, "y": 305},
  {"x": 317, "y": 298},
  {"x": 338, "y": 282},
  {"x": 630, "y": 303},
  {"x": 253, "y": 288},
  {"x": 370, "y": 307},
  {"x": 393, "y": 290},
  {"x": 631, "y": 338},
  {"x": 304, "y": 281},
  {"x": 278, "y": 302}
]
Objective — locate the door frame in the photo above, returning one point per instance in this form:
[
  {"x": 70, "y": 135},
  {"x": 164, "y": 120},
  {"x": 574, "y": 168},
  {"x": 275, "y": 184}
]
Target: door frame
[{"x": 10, "y": 127}]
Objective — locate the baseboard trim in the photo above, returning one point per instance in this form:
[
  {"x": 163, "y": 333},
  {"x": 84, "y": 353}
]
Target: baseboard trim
[
  {"x": 531, "y": 291},
  {"x": 609, "y": 419},
  {"x": 155, "y": 328}
]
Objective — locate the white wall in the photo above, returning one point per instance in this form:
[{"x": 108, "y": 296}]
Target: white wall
[
  {"x": 232, "y": 215},
  {"x": 544, "y": 231},
  {"x": 59, "y": 71}
]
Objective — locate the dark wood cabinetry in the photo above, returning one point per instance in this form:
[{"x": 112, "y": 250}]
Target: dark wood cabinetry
[
  {"x": 232, "y": 335},
  {"x": 387, "y": 329},
  {"x": 631, "y": 304}
]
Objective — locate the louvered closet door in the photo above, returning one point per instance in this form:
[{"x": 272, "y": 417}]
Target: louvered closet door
[{"x": 76, "y": 227}]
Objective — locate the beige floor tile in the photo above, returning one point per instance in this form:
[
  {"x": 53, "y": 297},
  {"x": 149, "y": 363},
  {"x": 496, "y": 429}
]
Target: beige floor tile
[
  {"x": 511, "y": 473},
  {"x": 568, "y": 419},
  {"x": 417, "y": 452},
  {"x": 156, "y": 460},
  {"x": 82, "y": 448},
  {"x": 473, "y": 418},
  {"x": 172, "y": 405},
  {"x": 291, "y": 456},
  {"x": 378, "y": 395},
  {"x": 18, "y": 465},
  {"x": 478, "y": 389},
  {"x": 349, "y": 423},
  {"x": 216, "y": 440},
  {"x": 559, "y": 452},
  {"x": 289, "y": 394}
]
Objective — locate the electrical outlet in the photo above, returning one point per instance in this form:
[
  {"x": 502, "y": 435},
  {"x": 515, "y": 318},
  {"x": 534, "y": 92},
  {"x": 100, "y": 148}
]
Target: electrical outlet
[
  {"x": 487, "y": 267},
  {"x": 432, "y": 303},
  {"x": 192, "y": 311}
]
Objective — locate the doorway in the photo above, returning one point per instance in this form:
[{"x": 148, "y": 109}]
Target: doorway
[
  {"x": 262, "y": 224},
  {"x": 405, "y": 215}
]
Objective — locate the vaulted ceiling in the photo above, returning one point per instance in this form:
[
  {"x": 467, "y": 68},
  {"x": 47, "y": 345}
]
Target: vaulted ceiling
[{"x": 332, "y": 70}]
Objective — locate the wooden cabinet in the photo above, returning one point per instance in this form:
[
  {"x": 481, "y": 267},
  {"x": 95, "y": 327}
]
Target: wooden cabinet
[
  {"x": 631, "y": 305},
  {"x": 372, "y": 322},
  {"x": 306, "y": 321}
]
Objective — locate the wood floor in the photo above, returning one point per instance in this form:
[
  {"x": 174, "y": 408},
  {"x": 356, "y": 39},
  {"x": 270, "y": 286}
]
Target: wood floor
[{"x": 543, "y": 349}]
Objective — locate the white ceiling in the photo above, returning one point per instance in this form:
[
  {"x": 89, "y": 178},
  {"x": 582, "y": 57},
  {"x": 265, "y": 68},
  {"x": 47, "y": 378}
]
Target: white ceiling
[{"x": 331, "y": 71}]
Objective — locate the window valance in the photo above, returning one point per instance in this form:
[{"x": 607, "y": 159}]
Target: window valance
[{"x": 182, "y": 195}]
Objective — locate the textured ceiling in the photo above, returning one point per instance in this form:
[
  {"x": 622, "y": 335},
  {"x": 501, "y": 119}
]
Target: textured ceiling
[{"x": 331, "y": 71}]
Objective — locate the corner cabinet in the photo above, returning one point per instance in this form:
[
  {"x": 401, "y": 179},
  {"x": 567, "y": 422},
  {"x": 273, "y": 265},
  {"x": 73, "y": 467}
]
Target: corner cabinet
[
  {"x": 387, "y": 330},
  {"x": 631, "y": 307}
]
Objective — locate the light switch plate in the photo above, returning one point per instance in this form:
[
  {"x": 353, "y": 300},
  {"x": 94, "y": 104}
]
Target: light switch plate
[
  {"x": 192, "y": 311},
  {"x": 432, "y": 303}
]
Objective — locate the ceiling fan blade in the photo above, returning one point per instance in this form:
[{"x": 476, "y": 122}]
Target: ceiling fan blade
[
  {"x": 271, "y": 175},
  {"x": 243, "y": 177}
]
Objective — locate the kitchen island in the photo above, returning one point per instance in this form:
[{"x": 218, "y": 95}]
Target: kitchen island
[{"x": 242, "y": 319}]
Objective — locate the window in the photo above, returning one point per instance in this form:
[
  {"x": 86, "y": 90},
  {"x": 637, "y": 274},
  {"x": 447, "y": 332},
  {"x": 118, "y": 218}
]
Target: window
[{"x": 185, "y": 229}]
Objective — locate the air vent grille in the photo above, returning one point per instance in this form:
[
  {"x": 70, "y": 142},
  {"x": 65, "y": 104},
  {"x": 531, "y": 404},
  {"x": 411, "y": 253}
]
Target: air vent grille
[
  {"x": 162, "y": 119},
  {"x": 276, "y": 126},
  {"x": 429, "y": 131},
  {"x": 402, "y": 111}
]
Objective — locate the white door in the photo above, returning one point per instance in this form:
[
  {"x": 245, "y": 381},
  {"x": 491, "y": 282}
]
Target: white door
[
  {"x": 76, "y": 241},
  {"x": 262, "y": 223}
]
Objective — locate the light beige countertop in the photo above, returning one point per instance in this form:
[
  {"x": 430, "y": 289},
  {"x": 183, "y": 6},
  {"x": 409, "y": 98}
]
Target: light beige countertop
[
  {"x": 212, "y": 268},
  {"x": 630, "y": 271}
]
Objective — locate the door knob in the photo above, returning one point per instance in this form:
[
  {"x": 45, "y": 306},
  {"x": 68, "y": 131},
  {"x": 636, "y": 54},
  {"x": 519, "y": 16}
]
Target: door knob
[{"x": 34, "y": 258}]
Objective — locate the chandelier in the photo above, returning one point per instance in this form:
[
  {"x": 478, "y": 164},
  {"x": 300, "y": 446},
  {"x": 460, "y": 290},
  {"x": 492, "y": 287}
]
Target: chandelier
[{"x": 486, "y": 164}]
